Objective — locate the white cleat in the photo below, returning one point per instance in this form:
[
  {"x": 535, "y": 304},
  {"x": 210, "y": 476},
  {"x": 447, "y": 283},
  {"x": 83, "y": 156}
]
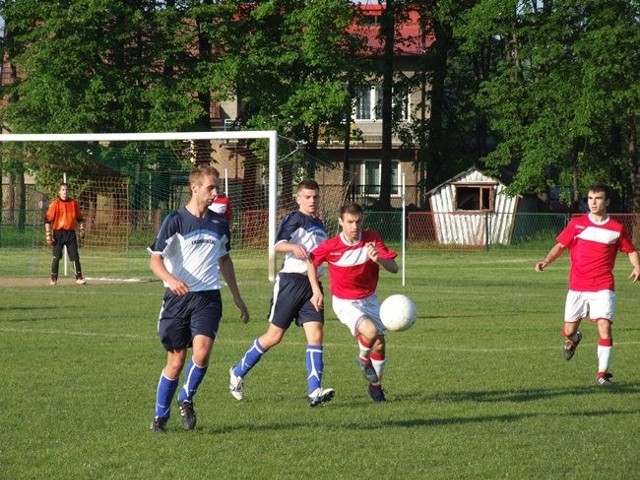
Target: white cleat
[
  {"x": 236, "y": 386},
  {"x": 320, "y": 396}
]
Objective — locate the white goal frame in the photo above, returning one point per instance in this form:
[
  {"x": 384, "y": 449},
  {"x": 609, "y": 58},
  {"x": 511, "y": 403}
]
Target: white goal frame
[{"x": 270, "y": 135}]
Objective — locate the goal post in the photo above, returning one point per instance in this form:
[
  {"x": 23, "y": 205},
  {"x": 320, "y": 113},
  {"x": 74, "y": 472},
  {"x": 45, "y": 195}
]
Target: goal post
[{"x": 270, "y": 135}]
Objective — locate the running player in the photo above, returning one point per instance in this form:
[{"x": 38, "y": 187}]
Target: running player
[
  {"x": 355, "y": 257},
  {"x": 593, "y": 241},
  {"x": 189, "y": 253},
  {"x": 300, "y": 232}
]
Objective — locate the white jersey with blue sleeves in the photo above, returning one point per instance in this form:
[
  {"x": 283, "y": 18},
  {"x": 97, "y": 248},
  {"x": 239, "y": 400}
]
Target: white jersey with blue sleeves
[
  {"x": 191, "y": 246},
  {"x": 303, "y": 230}
]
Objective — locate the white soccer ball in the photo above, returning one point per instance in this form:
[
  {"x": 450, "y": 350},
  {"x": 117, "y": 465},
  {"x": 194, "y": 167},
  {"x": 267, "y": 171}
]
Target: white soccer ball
[{"x": 398, "y": 313}]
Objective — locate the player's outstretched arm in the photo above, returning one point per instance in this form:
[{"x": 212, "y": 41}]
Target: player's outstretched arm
[
  {"x": 551, "y": 257},
  {"x": 389, "y": 264},
  {"x": 229, "y": 274},
  {"x": 634, "y": 258}
]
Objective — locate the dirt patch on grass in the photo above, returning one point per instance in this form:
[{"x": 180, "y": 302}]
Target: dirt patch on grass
[{"x": 6, "y": 282}]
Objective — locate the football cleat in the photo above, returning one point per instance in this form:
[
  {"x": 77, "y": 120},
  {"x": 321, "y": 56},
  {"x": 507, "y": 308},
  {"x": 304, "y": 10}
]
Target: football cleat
[
  {"x": 53, "y": 282},
  {"x": 376, "y": 393},
  {"x": 571, "y": 345},
  {"x": 81, "y": 281},
  {"x": 159, "y": 424},
  {"x": 236, "y": 385},
  {"x": 187, "y": 415},
  {"x": 604, "y": 379},
  {"x": 367, "y": 369},
  {"x": 320, "y": 395}
]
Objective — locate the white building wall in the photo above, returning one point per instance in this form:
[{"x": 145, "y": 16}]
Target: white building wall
[{"x": 466, "y": 227}]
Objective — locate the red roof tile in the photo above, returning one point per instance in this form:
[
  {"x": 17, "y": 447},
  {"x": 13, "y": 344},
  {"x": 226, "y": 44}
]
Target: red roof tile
[{"x": 409, "y": 41}]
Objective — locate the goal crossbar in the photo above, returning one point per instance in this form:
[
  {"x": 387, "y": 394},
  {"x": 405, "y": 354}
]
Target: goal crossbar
[{"x": 270, "y": 135}]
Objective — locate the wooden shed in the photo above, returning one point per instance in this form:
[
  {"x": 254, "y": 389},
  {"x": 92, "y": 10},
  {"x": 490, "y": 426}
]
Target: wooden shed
[{"x": 471, "y": 209}]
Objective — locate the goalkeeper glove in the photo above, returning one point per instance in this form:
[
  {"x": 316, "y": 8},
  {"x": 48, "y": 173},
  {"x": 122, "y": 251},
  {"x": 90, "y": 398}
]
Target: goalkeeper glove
[
  {"x": 81, "y": 230},
  {"x": 49, "y": 238}
]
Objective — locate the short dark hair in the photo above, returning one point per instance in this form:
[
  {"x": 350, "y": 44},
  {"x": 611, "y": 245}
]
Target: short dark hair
[
  {"x": 601, "y": 187},
  {"x": 351, "y": 208},
  {"x": 308, "y": 184}
]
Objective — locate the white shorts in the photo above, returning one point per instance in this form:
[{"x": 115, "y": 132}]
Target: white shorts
[
  {"x": 350, "y": 312},
  {"x": 595, "y": 305}
]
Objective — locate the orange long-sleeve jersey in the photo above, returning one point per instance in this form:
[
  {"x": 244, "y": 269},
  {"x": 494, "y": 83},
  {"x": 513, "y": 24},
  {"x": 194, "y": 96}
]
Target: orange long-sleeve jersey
[{"x": 63, "y": 214}]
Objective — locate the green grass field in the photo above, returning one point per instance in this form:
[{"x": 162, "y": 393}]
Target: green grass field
[{"x": 477, "y": 389}]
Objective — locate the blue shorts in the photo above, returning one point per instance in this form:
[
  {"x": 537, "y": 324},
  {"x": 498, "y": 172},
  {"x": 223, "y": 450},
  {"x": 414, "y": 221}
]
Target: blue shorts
[
  {"x": 291, "y": 301},
  {"x": 182, "y": 317}
]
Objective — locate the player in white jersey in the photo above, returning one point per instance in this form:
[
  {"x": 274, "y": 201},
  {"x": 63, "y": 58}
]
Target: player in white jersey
[
  {"x": 355, "y": 258},
  {"x": 299, "y": 233},
  {"x": 189, "y": 253}
]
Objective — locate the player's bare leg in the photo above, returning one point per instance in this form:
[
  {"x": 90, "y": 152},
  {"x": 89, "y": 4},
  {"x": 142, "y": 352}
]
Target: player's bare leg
[{"x": 573, "y": 339}]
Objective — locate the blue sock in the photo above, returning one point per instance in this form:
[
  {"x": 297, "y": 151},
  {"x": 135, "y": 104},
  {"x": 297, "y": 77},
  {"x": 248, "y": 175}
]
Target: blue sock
[
  {"x": 164, "y": 396},
  {"x": 251, "y": 357},
  {"x": 193, "y": 375},
  {"x": 315, "y": 365}
]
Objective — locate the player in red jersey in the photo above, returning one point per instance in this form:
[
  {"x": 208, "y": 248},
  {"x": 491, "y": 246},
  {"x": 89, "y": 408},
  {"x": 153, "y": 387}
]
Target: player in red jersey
[
  {"x": 355, "y": 257},
  {"x": 593, "y": 241},
  {"x": 221, "y": 204}
]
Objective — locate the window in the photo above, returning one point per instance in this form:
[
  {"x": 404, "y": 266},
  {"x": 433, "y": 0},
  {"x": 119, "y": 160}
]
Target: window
[
  {"x": 475, "y": 197},
  {"x": 401, "y": 104},
  {"x": 368, "y": 102},
  {"x": 368, "y": 178},
  {"x": 369, "y": 20}
]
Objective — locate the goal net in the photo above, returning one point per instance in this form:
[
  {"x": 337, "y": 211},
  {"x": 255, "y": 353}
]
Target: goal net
[{"x": 127, "y": 183}]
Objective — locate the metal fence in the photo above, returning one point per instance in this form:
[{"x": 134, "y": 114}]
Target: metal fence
[{"x": 130, "y": 229}]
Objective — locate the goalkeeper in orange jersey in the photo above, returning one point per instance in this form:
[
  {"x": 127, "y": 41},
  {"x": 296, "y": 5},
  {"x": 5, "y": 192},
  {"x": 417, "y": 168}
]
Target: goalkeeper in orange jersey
[{"x": 60, "y": 223}]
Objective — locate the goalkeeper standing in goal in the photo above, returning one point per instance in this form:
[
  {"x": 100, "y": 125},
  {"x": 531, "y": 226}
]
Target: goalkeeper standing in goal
[
  {"x": 190, "y": 252},
  {"x": 60, "y": 231},
  {"x": 299, "y": 233}
]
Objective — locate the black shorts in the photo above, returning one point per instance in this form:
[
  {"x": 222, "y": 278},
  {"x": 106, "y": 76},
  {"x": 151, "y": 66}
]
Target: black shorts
[
  {"x": 65, "y": 238},
  {"x": 291, "y": 301},
  {"x": 182, "y": 317}
]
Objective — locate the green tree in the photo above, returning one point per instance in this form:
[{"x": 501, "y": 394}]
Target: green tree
[
  {"x": 93, "y": 66},
  {"x": 289, "y": 62},
  {"x": 562, "y": 100}
]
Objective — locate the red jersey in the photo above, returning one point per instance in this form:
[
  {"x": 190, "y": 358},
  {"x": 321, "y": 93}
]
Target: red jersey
[
  {"x": 593, "y": 248},
  {"x": 353, "y": 274},
  {"x": 63, "y": 214},
  {"x": 222, "y": 205}
]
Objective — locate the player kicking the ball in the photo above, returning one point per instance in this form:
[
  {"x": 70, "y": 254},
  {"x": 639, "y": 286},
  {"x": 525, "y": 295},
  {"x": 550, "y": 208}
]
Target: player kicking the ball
[
  {"x": 593, "y": 242},
  {"x": 300, "y": 232},
  {"x": 355, "y": 257},
  {"x": 189, "y": 253}
]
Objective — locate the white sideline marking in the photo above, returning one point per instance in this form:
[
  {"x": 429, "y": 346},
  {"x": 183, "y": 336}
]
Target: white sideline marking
[
  {"x": 344, "y": 345},
  {"x": 112, "y": 279}
]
